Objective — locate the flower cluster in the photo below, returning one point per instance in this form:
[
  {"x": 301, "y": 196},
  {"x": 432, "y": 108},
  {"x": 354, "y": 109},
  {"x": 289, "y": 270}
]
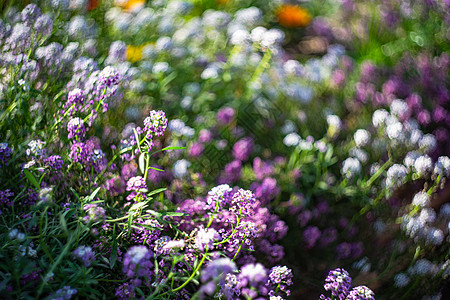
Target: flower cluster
[{"x": 339, "y": 283}]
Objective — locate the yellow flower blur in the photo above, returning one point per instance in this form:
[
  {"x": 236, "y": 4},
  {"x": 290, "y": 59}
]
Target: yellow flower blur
[{"x": 134, "y": 53}]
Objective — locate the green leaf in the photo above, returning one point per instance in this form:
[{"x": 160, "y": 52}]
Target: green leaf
[
  {"x": 136, "y": 206},
  {"x": 142, "y": 163},
  {"x": 93, "y": 194},
  {"x": 156, "y": 169},
  {"x": 156, "y": 191},
  {"x": 31, "y": 179},
  {"x": 113, "y": 258},
  {"x": 174, "y": 214},
  {"x": 173, "y": 148}
]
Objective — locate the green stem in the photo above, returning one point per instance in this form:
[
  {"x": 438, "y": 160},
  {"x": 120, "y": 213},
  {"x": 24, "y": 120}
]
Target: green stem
[{"x": 214, "y": 213}]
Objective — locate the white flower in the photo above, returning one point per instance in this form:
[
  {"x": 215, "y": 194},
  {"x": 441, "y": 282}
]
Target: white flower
[
  {"x": 423, "y": 165},
  {"x": 422, "y": 199},
  {"x": 160, "y": 67},
  {"x": 379, "y": 117},
  {"x": 240, "y": 37},
  {"x": 180, "y": 168},
  {"x": 350, "y": 167},
  {"x": 257, "y": 34},
  {"x": 361, "y": 137},
  {"x": 410, "y": 158},
  {"x": 395, "y": 131},
  {"x": 442, "y": 166},
  {"x": 399, "y": 108},
  {"x": 428, "y": 142},
  {"x": 292, "y": 139}
]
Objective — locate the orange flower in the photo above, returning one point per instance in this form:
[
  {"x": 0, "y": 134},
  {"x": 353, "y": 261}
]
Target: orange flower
[
  {"x": 293, "y": 16},
  {"x": 222, "y": 2},
  {"x": 134, "y": 53},
  {"x": 130, "y": 5}
]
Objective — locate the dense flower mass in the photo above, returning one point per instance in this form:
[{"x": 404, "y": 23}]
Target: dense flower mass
[
  {"x": 224, "y": 149},
  {"x": 156, "y": 123}
]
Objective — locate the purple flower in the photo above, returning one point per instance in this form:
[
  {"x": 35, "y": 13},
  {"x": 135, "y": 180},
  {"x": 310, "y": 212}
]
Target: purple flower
[
  {"x": 243, "y": 148},
  {"x": 85, "y": 254},
  {"x": 76, "y": 129},
  {"x": 5, "y": 153},
  {"x": 232, "y": 171},
  {"x": 329, "y": 235},
  {"x": 338, "y": 282},
  {"x": 220, "y": 196},
  {"x": 311, "y": 235},
  {"x": 196, "y": 149},
  {"x": 137, "y": 262},
  {"x": 44, "y": 25},
  {"x": 79, "y": 153},
  {"x": 95, "y": 213},
  {"x": 205, "y": 239},
  {"x": 136, "y": 184},
  {"x": 156, "y": 123},
  {"x": 243, "y": 201},
  {"x": 125, "y": 292},
  {"x": 109, "y": 76},
  {"x": 344, "y": 250},
  {"x": 267, "y": 190},
  {"x": 215, "y": 273},
  {"x": 253, "y": 275},
  {"x": 5, "y": 197},
  {"x": 54, "y": 162},
  {"x": 280, "y": 276},
  {"x": 30, "y": 13},
  {"x": 225, "y": 115},
  {"x": 205, "y": 136},
  {"x": 75, "y": 100},
  {"x": 64, "y": 294},
  {"x": 261, "y": 168}
]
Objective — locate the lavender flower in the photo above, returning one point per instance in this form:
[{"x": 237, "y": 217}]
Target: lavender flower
[
  {"x": 136, "y": 184},
  {"x": 44, "y": 25},
  {"x": 85, "y": 254},
  {"x": 243, "y": 201},
  {"x": 36, "y": 148},
  {"x": 65, "y": 293},
  {"x": 338, "y": 282},
  {"x": 79, "y": 153},
  {"x": 225, "y": 115},
  {"x": 125, "y": 292},
  {"x": 215, "y": 273},
  {"x": 243, "y": 148},
  {"x": 109, "y": 77},
  {"x": 156, "y": 123},
  {"x": 280, "y": 277},
  {"x": 137, "y": 262},
  {"x": 253, "y": 275},
  {"x": 75, "y": 100},
  {"x": 76, "y": 129},
  {"x": 205, "y": 239},
  {"x": 30, "y": 13},
  {"x": 219, "y": 195},
  {"x": 5, "y": 154},
  {"x": 361, "y": 293}
]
